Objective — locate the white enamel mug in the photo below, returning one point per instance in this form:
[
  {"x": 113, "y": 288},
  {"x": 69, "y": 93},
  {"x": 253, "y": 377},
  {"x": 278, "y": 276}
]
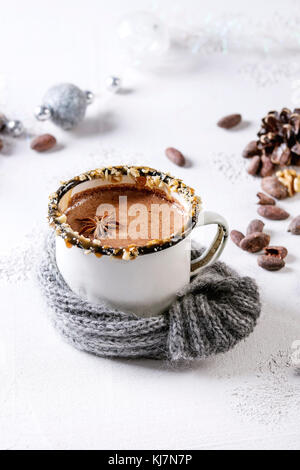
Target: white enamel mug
[{"x": 142, "y": 280}]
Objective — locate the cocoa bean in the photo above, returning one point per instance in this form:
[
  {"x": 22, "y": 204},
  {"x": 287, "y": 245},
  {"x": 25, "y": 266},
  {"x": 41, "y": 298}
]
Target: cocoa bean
[
  {"x": 250, "y": 150},
  {"x": 232, "y": 120},
  {"x": 294, "y": 226},
  {"x": 277, "y": 251},
  {"x": 274, "y": 188},
  {"x": 254, "y": 165},
  {"x": 236, "y": 237},
  {"x": 273, "y": 212},
  {"x": 267, "y": 168},
  {"x": 42, "y": 143},
  {"x": 255, "y": 226},
  {"x": 175, "y": 156},
  {"x": 265, "y": 200},
  {"x": 255, "y": 242},
  {"x": 270, "y": 263}
]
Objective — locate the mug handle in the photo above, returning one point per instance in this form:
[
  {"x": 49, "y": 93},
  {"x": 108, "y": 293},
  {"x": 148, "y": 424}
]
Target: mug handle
[{"x": 212, "y": 253}]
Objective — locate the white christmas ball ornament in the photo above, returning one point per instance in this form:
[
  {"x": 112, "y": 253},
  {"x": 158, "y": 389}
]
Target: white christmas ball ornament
[{"x": 144, "y": 37}]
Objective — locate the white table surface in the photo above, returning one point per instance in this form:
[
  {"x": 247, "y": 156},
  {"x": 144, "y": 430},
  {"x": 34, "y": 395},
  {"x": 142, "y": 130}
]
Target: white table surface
[{"x": 55, "y": 397}]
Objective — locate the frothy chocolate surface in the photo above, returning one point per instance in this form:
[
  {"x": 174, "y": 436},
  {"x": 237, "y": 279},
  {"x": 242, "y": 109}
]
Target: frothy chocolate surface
[{"x": 120, "y": 216}]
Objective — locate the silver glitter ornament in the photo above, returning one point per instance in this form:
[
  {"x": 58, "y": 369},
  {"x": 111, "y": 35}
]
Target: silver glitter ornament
[
  {"x": 113, "y": 84},
  {"x": 14, "y": 128},
  {"x": 65, "y": 105}
]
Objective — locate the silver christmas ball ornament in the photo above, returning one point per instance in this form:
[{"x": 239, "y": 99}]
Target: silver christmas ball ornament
[
  {"x": 67, "y": 105},
  {"x": 14, "y": 128},
  {"x": 113, "y": 84},
  {"x": 42, "y": 113}
]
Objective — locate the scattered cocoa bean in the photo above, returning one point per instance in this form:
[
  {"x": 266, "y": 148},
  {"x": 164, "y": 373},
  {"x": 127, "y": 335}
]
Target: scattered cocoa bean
[
  {"x": 255, "y": 242},
  {"x": 270, "y": 263},
  {"x": 267, "y": 168},
  {"x": 250, "y": 150},
  {"x": 265, "y": 200},
  {"x": 1, "y": 144},
  {"x": 294, "y": 226},
  {"x": 277, "y": 251},
  {"x": 273, "y": 212},
  {"x": 43, "y": 142},
  {"x": 254, "y": 165},
  {"x": 274, "y": 188},
  {"x": 232, "y": 120},
  {"x": 236, "y": 237},
  {"x": 175, "y": 156},
  {"x": 255, "y": 226}
]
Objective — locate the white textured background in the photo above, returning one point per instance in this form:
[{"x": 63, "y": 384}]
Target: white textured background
[{"x": 54, "y": 397}]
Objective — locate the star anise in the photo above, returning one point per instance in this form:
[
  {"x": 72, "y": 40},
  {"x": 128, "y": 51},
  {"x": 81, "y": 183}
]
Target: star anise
[{"x": 99, "y": 227}]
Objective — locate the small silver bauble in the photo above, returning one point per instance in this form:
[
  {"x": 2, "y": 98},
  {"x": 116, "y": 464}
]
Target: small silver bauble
[
  {"x": 65, "y": 105},
  {"x": 14, "y": 128},
  {"x": 113, "y": 84}
]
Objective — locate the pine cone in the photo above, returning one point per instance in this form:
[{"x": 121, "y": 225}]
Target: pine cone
[{"x": 279, "y": 137}]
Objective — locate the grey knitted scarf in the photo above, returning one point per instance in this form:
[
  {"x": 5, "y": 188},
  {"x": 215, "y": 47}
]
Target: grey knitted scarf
[{"x": 210, "y": 316}]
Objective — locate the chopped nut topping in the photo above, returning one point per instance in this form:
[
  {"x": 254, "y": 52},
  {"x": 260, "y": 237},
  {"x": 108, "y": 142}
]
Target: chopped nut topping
[{"x": 61, "y": 219}]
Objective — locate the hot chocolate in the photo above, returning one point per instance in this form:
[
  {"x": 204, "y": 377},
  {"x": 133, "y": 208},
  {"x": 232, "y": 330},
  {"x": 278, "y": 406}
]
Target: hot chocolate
[{"x": 120, "y": 216}]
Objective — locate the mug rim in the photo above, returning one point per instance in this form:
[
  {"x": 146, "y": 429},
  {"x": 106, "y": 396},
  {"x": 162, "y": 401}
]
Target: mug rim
[{"x": 112, "y": 174}]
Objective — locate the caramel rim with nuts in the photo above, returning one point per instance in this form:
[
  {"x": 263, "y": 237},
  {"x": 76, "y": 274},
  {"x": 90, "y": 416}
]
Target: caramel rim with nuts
[{"x": 153, "y": 179}]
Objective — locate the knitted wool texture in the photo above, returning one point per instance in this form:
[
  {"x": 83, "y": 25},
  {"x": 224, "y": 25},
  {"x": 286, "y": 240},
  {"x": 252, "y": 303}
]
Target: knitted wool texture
[{"x": 210, "y": 316}]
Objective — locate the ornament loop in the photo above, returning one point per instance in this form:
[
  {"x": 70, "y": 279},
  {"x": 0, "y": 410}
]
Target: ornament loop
[
  {"x": 42, "y": 113},
  {"x": 89, "y": 95}
]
